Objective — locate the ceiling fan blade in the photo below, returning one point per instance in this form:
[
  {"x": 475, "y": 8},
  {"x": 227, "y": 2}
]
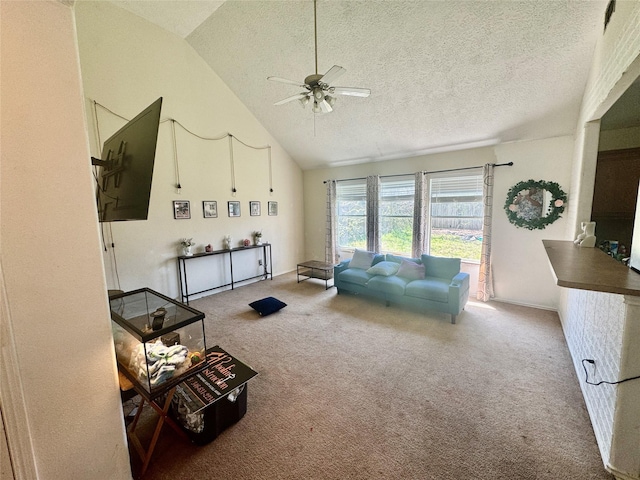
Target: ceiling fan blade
[
  {"x": 335, "y": 72},
  {"x": 284, "y": 80},
  {"x": 297, "y": 96},
  {"x": 351, "y": 91}
]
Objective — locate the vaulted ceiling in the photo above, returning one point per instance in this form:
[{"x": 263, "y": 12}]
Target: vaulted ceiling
[{"x": 444, "y": 75}]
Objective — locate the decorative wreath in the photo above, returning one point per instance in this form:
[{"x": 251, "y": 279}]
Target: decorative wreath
[{"x": 555, "y": 207}]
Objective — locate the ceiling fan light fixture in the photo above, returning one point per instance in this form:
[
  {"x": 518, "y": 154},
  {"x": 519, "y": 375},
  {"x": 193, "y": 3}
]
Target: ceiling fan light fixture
[
  {"x": 316, "y": 107},
  {"x": 330, "y": 100},
  {"x": 303, "y": 101}
]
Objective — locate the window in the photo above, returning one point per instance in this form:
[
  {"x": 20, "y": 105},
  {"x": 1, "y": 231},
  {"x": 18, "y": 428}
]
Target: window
[
  {"x": 351, "y": 221},
  {"x": 396, "y": 214},
  {"x": 456, "y": 216}
]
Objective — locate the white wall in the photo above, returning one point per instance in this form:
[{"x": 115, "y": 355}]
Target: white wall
[
  {"x": 53, "y": 288},
  {"x": 520, "y": 267},
  {"x": 593, "y": 322},
  {"x": 126, "y": 64}
]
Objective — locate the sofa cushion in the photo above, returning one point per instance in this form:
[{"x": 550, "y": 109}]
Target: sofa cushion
[
  {"x": 362, "y": 259},
  {"x": 431, "y": 288},
  {"x": 393, "y": 285},
  {"x": 441, "y": 267},
  {"x": 355, "y": 275},
  {"x": 411, "y": 270},
  {"x": 384, "y": 268},
  {"x": 398, "y": 259},
  {"x": 267, "y": 306}
]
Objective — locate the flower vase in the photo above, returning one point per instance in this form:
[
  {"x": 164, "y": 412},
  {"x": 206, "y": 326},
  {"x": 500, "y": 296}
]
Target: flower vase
[
  {"x": 187, "y": 251},
  {"x": 258, "y": 241}
]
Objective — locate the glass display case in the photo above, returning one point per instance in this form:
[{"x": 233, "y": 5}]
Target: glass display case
[{"x": 158, "y": 341}]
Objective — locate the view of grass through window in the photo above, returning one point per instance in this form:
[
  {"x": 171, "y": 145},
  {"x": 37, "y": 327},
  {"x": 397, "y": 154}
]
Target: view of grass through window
[
  {"x": 456, "y": 216},
  {"x": 396, "y": 214}
]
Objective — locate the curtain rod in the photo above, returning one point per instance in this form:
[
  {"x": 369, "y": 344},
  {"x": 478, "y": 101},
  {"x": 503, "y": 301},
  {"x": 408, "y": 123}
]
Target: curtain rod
[{"x": 510, "y": 164}]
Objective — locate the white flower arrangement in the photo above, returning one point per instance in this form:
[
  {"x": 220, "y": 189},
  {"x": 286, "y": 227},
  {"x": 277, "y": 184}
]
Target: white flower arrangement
[
  {"x": 187, "y": 242},
  {"x": 257, "y": 234}
]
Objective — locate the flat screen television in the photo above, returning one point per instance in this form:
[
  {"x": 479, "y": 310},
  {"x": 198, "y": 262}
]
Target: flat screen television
[{"x": 126, "y": 168}]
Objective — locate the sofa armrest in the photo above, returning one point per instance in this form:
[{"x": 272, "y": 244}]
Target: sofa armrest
[
  {"x": 458, "y": 293},
  {"x": 341, "y": 267},
  {"x": 460, "y": 280}
]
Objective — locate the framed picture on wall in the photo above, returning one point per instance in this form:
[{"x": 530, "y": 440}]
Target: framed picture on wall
[
  {"x": 210, "y": 209},
  {"x": 234, "y": 209},
  {"x": 254, "y": 209},
  {"x": 181, "y": 209},
  {"x": 273, "y": 208}
]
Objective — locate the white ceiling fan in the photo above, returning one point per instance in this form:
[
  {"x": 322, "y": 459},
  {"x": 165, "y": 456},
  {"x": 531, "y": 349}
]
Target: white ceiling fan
[{"x": 318, "y": 87}]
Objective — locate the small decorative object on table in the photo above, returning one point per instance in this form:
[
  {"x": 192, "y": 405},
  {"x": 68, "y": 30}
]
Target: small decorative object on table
[
  {"x": 227, "y": 242},
  {"x": 186, "y": 244},
  {"x": 158, "y": 318},
  {"x": 587, "y": 238},
  {"x": 208, "y": 248},
  {"x": 257, "y": 237},
  {"x": 246, "y": 242}
]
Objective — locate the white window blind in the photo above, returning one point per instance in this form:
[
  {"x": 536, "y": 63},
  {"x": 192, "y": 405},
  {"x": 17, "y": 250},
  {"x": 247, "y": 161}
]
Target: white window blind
[{"x": 351, "y": 206}]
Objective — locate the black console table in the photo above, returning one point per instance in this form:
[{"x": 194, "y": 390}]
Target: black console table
[{"x": 267, "y": 270}]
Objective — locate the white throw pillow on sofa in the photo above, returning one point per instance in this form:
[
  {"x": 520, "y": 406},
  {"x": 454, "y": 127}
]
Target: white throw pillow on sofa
[
  {"x": 362, "y": 259},
  {"x": 386, "y": 269}
]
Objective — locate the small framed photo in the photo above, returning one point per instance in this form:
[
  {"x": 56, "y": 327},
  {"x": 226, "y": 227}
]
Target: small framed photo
[
  {"x": 181, "y": 209},
  {"x": 273, "y": 208},
  {"x": 254, "y": 209},
  {"x": 234, "y": 209},
  {"x": 210, "y": 209}
]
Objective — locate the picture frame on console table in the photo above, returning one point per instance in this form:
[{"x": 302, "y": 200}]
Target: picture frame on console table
[{"x": 181, "y": 209}]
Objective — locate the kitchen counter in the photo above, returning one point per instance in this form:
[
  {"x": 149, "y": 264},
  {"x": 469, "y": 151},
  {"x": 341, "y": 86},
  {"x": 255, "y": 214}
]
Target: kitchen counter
[{"x": 590, "y": 269}]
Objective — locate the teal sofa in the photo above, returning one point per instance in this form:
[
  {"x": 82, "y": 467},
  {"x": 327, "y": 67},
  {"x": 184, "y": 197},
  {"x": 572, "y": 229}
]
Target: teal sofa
[{"x": 425, "y": 283}]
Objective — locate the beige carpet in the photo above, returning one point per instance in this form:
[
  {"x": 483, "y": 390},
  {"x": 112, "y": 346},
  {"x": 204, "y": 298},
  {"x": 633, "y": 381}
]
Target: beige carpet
[{"x": 351, "y": 389}]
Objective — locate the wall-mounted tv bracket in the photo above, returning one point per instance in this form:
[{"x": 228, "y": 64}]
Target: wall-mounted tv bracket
[{"x": 111, "y": 167}]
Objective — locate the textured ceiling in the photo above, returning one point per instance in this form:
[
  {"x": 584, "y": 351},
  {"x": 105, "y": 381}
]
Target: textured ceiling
[{"x": 443, "y": 75}]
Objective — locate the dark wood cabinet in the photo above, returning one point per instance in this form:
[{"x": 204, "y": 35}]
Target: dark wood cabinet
[{"x": 615, "y": 194}]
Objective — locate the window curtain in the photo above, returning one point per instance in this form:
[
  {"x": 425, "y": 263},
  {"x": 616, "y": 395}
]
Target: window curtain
[
  {"x": 485, "y": 278},
  {"x": 331, "y": 251},
  {"x": 420, "y": 219},
  {"x": 373, "y": 217}
]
